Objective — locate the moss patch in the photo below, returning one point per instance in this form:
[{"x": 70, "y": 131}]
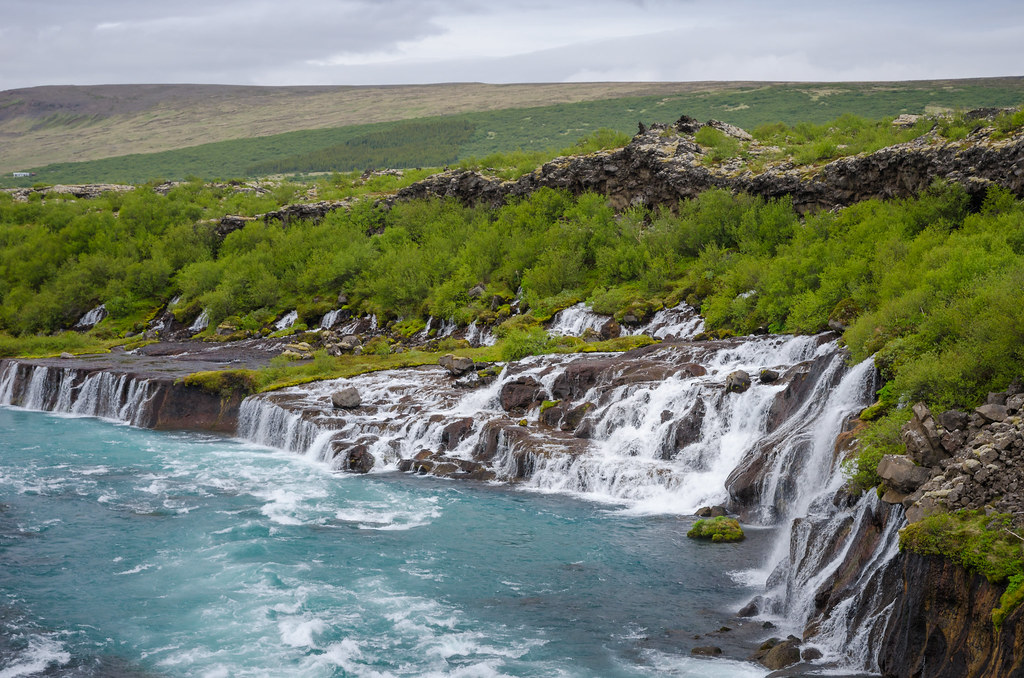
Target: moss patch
[
  {"x": 980, "y": 543},
  {"x": 225, "y": 383},
  {"x": 718, "y": 530}
]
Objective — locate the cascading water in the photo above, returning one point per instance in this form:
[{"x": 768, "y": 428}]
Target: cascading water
[
  {"x": 200, "y": 323},
  {"x": 677, "y": 323},
  {"x": 656, "y": 436},
  {"x": 576, "y": 320},
  {"x": 118, "y": 397},
  {"x": 92, "y": 317},
  {"x": 286, "y": 321},
  {"x": 479, "y": 336}
]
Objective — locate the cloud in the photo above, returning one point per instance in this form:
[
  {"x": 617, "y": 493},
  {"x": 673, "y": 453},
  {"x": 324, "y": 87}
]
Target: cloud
[{"x": 420, "y": 41}]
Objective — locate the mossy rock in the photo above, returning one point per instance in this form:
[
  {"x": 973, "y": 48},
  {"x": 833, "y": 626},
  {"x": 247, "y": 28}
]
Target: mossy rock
[
  {"x": 548, "y": 404},
  {"x": 718, "y": 530},
  {"x": 224, "y": 383}
]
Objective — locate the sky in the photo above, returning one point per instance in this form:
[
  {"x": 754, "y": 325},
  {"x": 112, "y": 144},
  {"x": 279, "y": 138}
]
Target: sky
[{"x": 375, "y": 42}]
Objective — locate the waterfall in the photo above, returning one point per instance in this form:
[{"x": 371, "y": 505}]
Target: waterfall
[
  {"x": 477, "y": 336},
  {"x": 330, "y": 319},
  {"x": 200, "y": 323},
  {"x": 576, "y": 320},
  {"x": 678, "y": 323},
  {"x": 118, "y": 397},
  {"x": 92, "y": 317},
  {"x": 286, "y": 321}
]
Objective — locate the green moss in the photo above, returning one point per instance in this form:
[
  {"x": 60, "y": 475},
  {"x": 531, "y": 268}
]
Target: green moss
[
  {"x": 548, "y": 404},
  {"x": 979, "y": 543},
  {"x": 225, "y": 383},
  {"x": 719, "y": 530},
  {"x": 1010, "y": 600}
]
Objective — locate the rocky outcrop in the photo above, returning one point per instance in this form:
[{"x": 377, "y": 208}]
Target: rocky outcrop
[
  {"x": 664, "y": 164},
  {"x": 972, "y": 461}
]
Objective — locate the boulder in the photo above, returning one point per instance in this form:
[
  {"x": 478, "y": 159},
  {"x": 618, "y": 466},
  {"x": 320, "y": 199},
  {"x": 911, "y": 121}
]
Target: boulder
[
  {"x": 992, "y": 413},
  {"x": 456, "y": 365},
  {"x": 356, "y": 459},
  {"x": 900, "y": 473},
  {"x": 610, "y": 330},
  {"x": 954, "y": 420},
  {"x": 782, "y": 655},
  {"x": 749, "y": 610},
  {"x": 456, "y": 432},
  {"x": 520, "y": 394},
  {"x": 921, "y": 436},
  {"x": 711, "y": 512},
  {"x": 768, "y": 376},
  {"x": 737, "y": 382},
  {"x": 347, "y": 398}
]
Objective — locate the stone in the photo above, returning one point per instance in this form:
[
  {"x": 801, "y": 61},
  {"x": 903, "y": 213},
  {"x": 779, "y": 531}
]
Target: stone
[
  {"x": 520, "y": 394},
  {"x": 610, "y": 330},
  {"x": 1015, "y": 403},
  {"x": 953, "y": 420},
  {"x": 357, "y": 459},
  {"x": 749, "y": 610},
  {"x": 737, "y": 382},
  {"x": 476, "y": 291},
  {"x": 706, "y": 651},
  {"x": 992, "y": 413},
  {"x": 456, "y": 365},
  {"x": 768, "y": 376},
  {"x": 456, "y": 432},
  {"x": 349, "y": 342},
  {"x": 782, "y": 655},
  {"x": 347, "y": 398},
  {"x": 809, "y": 654},
  {"x": 900, "y": 473},
  {"x": 65, "y": 355}
]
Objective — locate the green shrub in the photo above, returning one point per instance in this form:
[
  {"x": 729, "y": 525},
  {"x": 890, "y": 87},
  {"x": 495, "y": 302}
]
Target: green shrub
[
  {"x": 720, "y": 529},
  {"x": 879, "y": 438},
  {"x": 518, "y": 344}
]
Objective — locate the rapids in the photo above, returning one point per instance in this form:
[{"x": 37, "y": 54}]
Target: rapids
[{"x": 660, "y": 437}]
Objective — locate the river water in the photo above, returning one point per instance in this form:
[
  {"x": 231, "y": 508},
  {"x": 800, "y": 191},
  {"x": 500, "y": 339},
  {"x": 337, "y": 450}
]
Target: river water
[{"x": 127, "y": 552}]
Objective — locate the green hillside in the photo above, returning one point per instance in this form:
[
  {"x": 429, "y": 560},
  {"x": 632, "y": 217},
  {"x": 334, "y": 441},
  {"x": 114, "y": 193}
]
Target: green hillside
[{"x": 443, "y": 140}]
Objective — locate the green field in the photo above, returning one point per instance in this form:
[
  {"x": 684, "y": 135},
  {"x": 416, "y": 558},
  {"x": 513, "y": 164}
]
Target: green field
[{"x": 456, "y": 138}]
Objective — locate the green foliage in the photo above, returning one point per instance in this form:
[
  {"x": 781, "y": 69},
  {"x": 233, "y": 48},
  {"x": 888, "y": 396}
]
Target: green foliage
[
  {"x": 808, "y": 143},
  {"x": 879, "y": 438},
  {"x": 518, "y": 344},
  {"x": 41, "y": 346},
  {"x": 720, "y": 529},
  {"x": 1010, "y": 600},
  {"x": 719, "y": 146},
  {"x": 979, "y": 543}
]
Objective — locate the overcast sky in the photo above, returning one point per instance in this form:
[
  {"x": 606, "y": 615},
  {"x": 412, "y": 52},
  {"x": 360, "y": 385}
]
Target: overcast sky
[{"x": 363, "y": 42}]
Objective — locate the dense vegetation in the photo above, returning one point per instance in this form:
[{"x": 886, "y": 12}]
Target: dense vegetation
[
  {"x": 929, "y": 285},
  {"x": 533, "y": 129}
]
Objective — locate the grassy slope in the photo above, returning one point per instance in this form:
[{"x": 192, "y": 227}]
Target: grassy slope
[
  {"x": 43, "y": 125},
  {"x": 541, "y": 127}
]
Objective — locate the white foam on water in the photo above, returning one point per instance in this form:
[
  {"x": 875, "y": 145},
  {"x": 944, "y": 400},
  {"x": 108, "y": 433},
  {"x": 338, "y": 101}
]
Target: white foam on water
[
  {"x": 42, "y": 653},
  {"x": 302, "y": 631}
]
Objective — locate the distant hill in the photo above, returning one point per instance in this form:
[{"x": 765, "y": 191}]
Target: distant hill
[
  {"x": 43, "y": 125},
  {"x": 140, "y": 132}
]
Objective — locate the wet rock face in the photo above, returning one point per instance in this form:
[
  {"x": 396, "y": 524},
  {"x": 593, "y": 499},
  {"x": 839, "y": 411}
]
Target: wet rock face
[
  {"x": 520, "y": 394},
  {"x": 941, "y": 625}
]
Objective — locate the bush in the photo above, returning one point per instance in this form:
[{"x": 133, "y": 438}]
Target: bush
[
  {"x": 1010, "y": 600},
  {"x": 518, "y": 344},
  {"x": 719, "y": 530}
]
